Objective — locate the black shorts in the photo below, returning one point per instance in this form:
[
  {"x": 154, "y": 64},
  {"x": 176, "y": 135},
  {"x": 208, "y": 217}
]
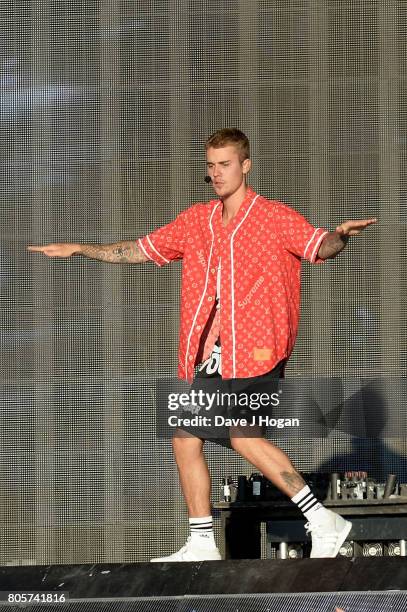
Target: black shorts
[{"x": 221, "y": 408}]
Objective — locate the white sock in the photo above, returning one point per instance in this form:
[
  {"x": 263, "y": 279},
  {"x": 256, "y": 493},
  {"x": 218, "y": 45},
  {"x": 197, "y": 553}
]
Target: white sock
[
  {"x": 202, "y": 531},
  {"x": 311, "y": 508}
]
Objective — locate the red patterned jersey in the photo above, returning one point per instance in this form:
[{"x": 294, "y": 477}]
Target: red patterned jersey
[{"x": 260, "y": 251}]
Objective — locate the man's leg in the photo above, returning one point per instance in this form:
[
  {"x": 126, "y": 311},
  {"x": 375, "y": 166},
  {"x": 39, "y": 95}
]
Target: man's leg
[
  {"x": 193, "y": 473},
  {"x": 270, "y": 461},
  {"x": 328, "y": 530},
  {"x": 196, "y": 488}
]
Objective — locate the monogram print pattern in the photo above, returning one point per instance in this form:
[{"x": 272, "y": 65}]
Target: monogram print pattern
[{"x": 261, "y": 250}]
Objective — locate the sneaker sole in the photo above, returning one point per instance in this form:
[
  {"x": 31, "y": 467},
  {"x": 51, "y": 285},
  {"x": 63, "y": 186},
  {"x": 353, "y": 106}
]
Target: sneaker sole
[
  {"x": 216, "y": 557},
  {"x": 183, "y": 560},
  {"x": 342, "y": 537}
]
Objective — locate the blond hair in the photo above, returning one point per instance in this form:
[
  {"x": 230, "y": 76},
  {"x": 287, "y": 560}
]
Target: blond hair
[{"x": 230, "y": 136}]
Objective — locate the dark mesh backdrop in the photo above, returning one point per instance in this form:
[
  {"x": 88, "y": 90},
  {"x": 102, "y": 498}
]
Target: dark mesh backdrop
[{"x": 104, "y": 108}]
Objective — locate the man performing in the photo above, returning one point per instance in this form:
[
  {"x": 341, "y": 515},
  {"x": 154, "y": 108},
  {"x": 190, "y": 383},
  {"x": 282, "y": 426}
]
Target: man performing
[{"x": 239, "y": 318}]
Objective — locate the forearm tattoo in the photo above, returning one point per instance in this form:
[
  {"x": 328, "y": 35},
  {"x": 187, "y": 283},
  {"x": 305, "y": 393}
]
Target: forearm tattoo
[
  {"x": 119, "y": 252},
  {"x": 332, "y": 244}
]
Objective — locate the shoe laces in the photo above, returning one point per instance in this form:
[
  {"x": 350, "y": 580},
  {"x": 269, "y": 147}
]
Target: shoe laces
[
  {"x": 327, "y": 536},
  {"x": 186, "y": 545}
]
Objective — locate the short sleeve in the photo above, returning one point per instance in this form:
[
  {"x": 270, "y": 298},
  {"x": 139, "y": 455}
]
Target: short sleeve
[
  {"x": 166, "y": 243},
  {"x": 299, "y": 236}
]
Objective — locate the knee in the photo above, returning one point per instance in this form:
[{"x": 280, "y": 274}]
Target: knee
[
  {"x": 186, "y": 447},
  {"x": 237, "y": 443}
]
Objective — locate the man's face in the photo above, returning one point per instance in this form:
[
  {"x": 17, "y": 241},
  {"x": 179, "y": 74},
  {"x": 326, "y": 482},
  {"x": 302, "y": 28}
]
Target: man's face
[{"x": 226, "y": 170}]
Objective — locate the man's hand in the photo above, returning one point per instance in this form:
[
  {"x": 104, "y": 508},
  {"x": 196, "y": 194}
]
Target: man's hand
[
  {"x": 119, "y": 252},
  {"x": 352, "y": 228},
  {"x": 336, "y": 241},
  {"x": 61, "y": 249}
]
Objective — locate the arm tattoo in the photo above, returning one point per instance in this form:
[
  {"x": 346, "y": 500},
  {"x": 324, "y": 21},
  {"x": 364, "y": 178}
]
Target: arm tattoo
[
  {"x": 332, "y": 244},
  {"x": 294, "y": 481},
  {"x": 119, "y": 252}
]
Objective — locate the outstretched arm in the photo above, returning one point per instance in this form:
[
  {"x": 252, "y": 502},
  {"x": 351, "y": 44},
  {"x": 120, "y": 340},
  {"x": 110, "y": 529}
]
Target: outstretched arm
[
  {"x": 119, "y": 252},
  {"x": 336, "y": 241}
]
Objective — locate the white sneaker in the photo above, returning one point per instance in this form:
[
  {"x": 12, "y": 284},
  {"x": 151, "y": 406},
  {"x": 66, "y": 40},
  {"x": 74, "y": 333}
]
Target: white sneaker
[
  {"x": 328, "y": 534},
  {"x": 191, "y": 552}
]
